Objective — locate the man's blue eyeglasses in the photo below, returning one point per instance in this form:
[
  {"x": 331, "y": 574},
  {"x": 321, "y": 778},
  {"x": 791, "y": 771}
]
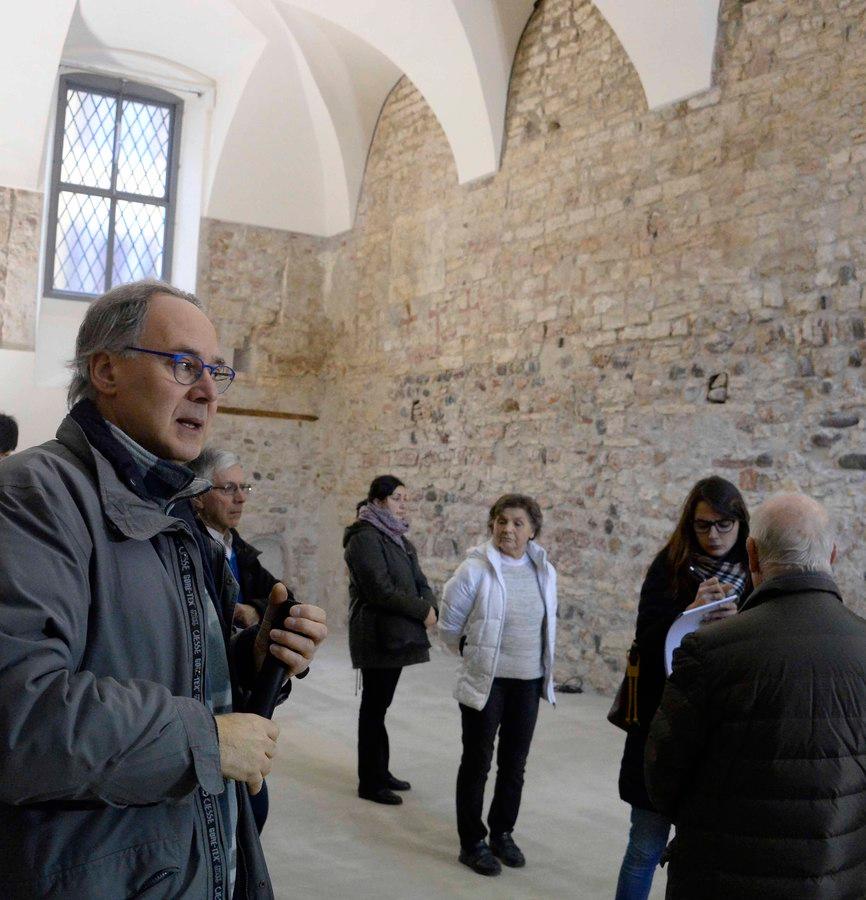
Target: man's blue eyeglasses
[{"x": 188, "y": 368}]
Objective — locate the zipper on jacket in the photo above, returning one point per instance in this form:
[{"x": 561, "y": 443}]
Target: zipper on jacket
[
  {"x": 155, "y": 879},
  {"x": 216, "y": 865},
  {"x": 542, "y": 588}
]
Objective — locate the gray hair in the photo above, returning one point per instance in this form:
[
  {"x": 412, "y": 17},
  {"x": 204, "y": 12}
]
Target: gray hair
[
  {"x": 212, "y": 460},
  {"x": 114, "y": 322},
  {"x": 792, "y": 533}
]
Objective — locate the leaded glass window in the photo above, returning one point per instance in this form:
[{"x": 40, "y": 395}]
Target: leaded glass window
[{"x": 113, "y": 186}]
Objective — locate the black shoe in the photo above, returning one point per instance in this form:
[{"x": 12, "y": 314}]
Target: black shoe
[
  {"x": 395, "y": 784},
  {"x": 503, "y": 846},
  {"x": 380, "y": 795},
  {"x": 480, "y": 859}
]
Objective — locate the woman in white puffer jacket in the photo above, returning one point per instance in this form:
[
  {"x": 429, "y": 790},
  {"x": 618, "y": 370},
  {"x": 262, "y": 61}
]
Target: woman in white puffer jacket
[{"x": 499, "y": 611}]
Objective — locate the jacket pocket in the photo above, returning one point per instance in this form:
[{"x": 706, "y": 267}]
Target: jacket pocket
[
  {"x": 396, "y": 633},
  {"x": 149, "y": 871}
]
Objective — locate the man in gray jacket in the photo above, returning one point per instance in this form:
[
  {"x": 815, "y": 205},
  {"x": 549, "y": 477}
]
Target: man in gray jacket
[
  {"x": 124, "y": 769},
  {"x": 756, "y": 752}
]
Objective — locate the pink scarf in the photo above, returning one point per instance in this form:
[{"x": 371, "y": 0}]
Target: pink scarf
[{"x": 386, "y": 522}]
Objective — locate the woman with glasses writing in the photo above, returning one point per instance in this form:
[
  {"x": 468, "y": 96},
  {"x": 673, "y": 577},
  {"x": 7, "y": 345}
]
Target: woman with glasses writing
[{"x": 704, "y": 560}]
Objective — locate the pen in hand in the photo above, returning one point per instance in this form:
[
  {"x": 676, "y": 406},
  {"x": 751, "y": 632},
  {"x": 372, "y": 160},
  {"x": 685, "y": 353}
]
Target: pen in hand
[{"x": 718, "y": 612}]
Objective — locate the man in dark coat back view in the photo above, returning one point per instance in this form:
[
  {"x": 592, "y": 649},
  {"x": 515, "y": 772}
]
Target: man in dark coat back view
[{"x": 758, "y": 750}]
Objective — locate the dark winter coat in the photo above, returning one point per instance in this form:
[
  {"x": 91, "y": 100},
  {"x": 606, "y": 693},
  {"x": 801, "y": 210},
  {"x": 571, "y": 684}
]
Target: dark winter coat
[
  {"x": 659, "y": 606},
  {"x": 256, "y": 581},
  {"x": 757, "y": 751},
  {"x": 389, "y": 599}
]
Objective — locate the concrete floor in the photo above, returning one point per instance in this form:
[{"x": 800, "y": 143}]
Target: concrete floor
[{"x": 321, "y": 840}]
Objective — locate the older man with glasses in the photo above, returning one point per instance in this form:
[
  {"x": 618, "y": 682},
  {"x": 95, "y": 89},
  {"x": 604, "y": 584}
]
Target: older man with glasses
[
  {"x": 124, "y": 758},
  {"x": 220, "y": 510}
]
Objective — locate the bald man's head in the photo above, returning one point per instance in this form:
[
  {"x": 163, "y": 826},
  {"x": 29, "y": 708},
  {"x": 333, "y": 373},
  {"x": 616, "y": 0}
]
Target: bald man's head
[{"x": 790, "y": 533}]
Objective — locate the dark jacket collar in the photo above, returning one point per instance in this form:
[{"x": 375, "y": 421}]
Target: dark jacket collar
[
  {"x": 242, "y": 548},
  {"x": 792, "y": 583}
]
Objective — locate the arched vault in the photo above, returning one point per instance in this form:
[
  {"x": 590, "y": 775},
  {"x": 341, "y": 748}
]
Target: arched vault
[{"x": 297, "y": 85}]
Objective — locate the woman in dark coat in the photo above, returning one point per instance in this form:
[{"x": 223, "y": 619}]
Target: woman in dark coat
[
  {"x": 704, "y": 560},
  {"x": 391, "y": 606}
]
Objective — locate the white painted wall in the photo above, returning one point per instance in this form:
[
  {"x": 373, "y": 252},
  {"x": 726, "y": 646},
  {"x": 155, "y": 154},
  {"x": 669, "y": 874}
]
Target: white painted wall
[
  {"x": 38, "y": 410},
  {"x": 33, "y": 38},
  {"x": 270, "y": 168},
  {"x": 670, "y": 42},
  {"x": 212, "y": 44}
]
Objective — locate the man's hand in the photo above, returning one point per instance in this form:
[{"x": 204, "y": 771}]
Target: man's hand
[
  {"x": 246, "y": 615},
  {"x": 293, "y": 641},
  {"x": 247, "y": 746},
  {"x": 430, "y": 621}
]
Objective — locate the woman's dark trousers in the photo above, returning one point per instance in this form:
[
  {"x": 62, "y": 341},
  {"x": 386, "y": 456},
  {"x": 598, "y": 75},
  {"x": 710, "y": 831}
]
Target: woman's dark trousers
[
  {"x": 512, "y": 709},
  {"x": 373, "y": 751}
]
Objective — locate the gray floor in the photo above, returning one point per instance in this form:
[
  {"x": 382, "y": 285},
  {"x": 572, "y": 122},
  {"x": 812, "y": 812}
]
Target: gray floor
[{"x": 322, "y": 841}]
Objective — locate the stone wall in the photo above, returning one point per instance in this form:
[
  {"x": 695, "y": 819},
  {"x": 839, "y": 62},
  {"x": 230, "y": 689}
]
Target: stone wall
[
  {"x": 283, "y": 504},
  {"x": 20, "y": 223},
  {"x": 556, "y": 329},
  {"x": 263, "y": 289}
]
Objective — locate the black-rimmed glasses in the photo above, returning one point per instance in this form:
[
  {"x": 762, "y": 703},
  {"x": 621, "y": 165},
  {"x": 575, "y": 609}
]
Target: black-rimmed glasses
[
  {"x": 722, "y": 526},
  {"x": 230, "y": 488},
  {"x": 188, "y": 368}
]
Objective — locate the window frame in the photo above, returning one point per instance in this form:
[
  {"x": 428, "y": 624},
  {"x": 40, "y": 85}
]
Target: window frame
[{"x": 120, "y": 89}]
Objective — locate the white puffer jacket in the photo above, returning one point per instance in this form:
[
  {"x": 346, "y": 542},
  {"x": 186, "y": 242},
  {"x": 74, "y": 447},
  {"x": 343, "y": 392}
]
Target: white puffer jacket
[{"x": 473, "y": 604}]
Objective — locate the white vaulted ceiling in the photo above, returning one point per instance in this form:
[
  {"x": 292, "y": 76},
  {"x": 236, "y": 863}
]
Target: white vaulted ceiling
[{"x": 297, "y": 85}]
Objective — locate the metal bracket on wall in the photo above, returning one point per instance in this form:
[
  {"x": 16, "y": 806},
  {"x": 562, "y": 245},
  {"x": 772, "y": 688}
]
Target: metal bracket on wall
[{"x": 267, "y": 414}]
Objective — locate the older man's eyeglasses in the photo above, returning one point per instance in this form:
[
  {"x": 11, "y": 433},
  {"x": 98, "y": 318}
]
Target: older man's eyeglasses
[
  {"x": 188, "y": 368},
  {"x": 230, "y": 488},
  {"x": 722, "y": 526}
]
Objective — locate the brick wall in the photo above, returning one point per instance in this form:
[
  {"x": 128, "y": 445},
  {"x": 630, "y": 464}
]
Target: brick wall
[{"x": 554, "y": 329}]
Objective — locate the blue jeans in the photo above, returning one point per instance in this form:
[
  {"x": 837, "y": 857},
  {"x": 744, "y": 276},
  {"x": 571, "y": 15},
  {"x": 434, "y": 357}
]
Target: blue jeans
[{"x": 647, "y": 840}]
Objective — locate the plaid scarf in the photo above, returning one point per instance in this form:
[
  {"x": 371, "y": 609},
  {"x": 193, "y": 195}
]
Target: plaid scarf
[
  {"x": 729, "y": 571},
  {"x": 386, "y": 522},
  {"x": 151, "y": 478}
]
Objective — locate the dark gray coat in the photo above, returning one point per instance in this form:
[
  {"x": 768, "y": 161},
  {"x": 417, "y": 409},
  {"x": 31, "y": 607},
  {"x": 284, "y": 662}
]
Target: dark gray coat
[
  {"x": 102, "y": 746},
  {"x": 758, "y": 750},
  {"x": 389, "y": 598}
]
